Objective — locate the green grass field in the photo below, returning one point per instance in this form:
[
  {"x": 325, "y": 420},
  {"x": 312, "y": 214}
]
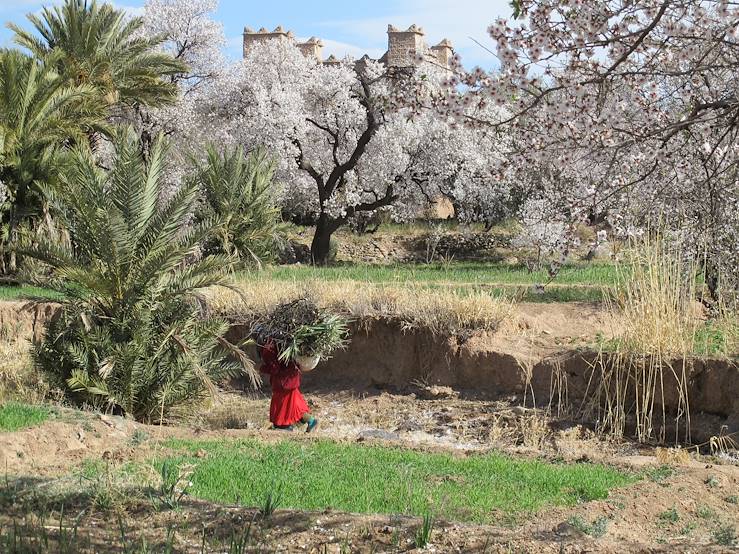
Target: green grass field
[
  {"x": 462, "y": 273},
  {"x": 27, "y": 292},
  {"x": 575, "y": 283},
  {"x": 372, "y": 479},
  {"x": 14, "y": 416}
]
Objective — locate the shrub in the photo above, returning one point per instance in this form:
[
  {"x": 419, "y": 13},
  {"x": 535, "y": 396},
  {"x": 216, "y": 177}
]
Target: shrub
[
  {"x": 725, "y": 535},
  {"x": 238, "y": 190},
  {"x": 131, "y": 337},
  {"x": 596, "y": 529}
]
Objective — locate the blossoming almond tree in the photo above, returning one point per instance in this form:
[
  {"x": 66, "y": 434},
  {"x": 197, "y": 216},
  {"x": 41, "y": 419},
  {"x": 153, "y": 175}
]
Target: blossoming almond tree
[
  {"x": 344, "y": 141},
  {"x": 190, "y": 35},
  {"x": 641, "y": 96},
  {"x": 343, "y": 145}
]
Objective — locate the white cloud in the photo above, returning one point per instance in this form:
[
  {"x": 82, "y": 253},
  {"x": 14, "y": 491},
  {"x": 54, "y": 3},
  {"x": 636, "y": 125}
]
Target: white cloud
[
  {"x": 339, "y": 49},
  {"x": 342, "y": 49}
]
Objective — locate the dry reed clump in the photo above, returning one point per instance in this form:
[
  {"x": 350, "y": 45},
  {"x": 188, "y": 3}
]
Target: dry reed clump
[
  {"x": 672, "y": 456},
  {"x": 533, "y": 430},
  {"x": 18, "y": 380},
  {"x": 651, "y": 358},
  {"x": 230, "y": 411},
  {"x": 656, "y": 298},
  {"x": 438, "y": 311}
]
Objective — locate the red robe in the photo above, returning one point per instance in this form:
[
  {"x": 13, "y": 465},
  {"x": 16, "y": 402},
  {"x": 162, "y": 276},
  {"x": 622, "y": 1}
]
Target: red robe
[{"x": 288, "y": 405}]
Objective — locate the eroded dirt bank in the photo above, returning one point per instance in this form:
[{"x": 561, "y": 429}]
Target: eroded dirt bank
[
  {"x": 547, "y": 352},
  {"x": 550, "y": 357}
]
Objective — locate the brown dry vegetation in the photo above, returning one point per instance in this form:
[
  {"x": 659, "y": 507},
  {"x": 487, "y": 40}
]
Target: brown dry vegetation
[{"x": 439, "y": 311}]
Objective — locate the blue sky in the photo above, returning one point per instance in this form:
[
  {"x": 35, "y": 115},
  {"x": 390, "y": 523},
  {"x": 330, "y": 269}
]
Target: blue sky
[{"x": 345, "y": 27}]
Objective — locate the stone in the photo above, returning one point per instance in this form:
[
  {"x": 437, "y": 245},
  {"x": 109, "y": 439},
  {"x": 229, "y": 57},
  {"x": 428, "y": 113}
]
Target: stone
[
  {"x": 377, "y": 434},
  {"x": 437, "y": 392}
]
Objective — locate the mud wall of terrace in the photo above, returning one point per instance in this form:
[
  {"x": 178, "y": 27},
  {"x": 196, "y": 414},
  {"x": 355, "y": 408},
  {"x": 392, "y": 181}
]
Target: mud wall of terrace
[{"x": 382, "y": 354}]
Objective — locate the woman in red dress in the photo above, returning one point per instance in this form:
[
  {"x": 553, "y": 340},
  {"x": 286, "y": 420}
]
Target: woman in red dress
[{"x": 288, "y": 406}]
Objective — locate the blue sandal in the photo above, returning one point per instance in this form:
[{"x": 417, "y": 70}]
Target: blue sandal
[{"x": 312, "y": 424}]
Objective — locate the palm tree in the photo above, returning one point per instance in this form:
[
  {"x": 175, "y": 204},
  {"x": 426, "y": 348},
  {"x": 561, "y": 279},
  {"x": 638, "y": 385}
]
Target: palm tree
[
  {"x": 132, "y": 336},
  {"x": 103, "y": 47},
  {"x": 39, "y": 116},
  {"x": 238, "y": 190}
]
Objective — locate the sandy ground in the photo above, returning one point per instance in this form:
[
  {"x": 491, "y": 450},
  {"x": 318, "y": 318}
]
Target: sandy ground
[
  {"x": 697, "y": 487},
  {"x": 420, "y": 416}
]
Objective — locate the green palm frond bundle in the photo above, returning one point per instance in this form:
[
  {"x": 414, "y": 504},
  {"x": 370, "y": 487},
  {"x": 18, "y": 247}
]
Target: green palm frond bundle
[
  {"x": 301, "y": 328},
  {"x": 98, "y": 45}
]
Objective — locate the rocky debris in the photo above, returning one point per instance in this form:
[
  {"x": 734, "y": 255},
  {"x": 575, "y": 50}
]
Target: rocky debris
[
  {"x": 410, "y": 426},
  {"x": 403, "y": 248},
  {"x": 294, "y": 252},
  {"x": 381, "y": 249},
  {"x": 565, "y": 529},
  {"x": 118, "y": 424},
  {"x": 470, "y": 245},
  {"x": 436, "y": 392},
  {"x": 377, "y": 434}
]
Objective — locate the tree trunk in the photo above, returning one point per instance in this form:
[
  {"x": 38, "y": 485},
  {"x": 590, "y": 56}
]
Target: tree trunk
[
  {"x": 320, "y": 248},
  {"x": 711, "y": 274}
]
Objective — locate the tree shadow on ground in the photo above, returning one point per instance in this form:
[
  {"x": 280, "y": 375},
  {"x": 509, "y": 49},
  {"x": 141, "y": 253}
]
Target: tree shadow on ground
[{"x": 72, "y": 515}]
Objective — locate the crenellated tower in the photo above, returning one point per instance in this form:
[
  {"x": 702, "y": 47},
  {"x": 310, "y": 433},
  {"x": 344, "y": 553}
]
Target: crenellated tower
[
  {"x": 312, "y": 47},
  {"x": 443, "y": 52},
  {"x": 404, "y": 47}
]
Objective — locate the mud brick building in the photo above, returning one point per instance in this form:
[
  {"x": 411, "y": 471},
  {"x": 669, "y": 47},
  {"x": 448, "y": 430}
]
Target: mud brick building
[{"x": 403, "y": 47}]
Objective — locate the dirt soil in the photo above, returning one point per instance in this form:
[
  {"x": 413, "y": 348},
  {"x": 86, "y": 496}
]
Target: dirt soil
[
  {"x": 406, "y": 392},
  {"x": 633, "y": 519}
]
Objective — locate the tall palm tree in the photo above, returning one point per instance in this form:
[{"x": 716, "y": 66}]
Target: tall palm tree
[
  {"x": 103, "y": 47},
  {"x": 132, "y": 336},
  {"x": 39, "y": 116}
]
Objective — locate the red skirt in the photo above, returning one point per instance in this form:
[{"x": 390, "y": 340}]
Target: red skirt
[{"x": 287, "y": 407}]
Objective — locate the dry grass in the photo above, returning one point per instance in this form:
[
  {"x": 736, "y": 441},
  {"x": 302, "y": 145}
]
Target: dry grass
[
  {"x": 559, "y": 399},
  {"x": 653, "y": 354},
  {"x": 533, "y": 430},
  {"x": 672, "y": 456},
  {"x": 18, "y": 380},
  {"x": 231, "y": 411},
  {"x": 439, "y": 311},
  {"x": 656, "y": 300}
]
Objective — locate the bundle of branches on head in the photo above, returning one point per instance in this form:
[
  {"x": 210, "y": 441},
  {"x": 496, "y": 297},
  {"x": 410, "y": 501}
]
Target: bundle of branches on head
[{"x": 302, "y": 332}]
